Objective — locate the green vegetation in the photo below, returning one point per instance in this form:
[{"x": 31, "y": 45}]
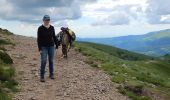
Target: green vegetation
[
  {"x": 120, "y": 53},
  {"x": 166, "y": 57},
  {"x": 5, "y": 57},
  {"x": 7, "y": 72},
  {"x": 137, "y": 73},
  {"x": 5, "y": 42},
  {"x": 5, "y": 32},
  {"x": 158, "y": 35}
]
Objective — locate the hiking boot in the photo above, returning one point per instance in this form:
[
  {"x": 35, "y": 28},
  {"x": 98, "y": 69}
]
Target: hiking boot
[
  {"x": 52, "y": 77},
  {"x": 42, "y": 80}
]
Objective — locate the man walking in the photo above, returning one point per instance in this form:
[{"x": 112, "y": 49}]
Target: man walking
[{"x": 46, "y": 39}]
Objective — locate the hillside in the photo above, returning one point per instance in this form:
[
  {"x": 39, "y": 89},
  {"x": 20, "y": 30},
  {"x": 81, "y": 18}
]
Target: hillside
[
  {"x": 141, "y": 79},
  {"x": 153, "y": 43},
  {"x": 7, "y": 71},
  {"x": 165, "y": 57},
  {"x": 120, "y": 53}
]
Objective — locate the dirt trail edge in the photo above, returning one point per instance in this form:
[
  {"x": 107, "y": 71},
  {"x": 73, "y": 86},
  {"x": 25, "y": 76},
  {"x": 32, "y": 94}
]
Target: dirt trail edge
[{"x": 74, "y": 79}]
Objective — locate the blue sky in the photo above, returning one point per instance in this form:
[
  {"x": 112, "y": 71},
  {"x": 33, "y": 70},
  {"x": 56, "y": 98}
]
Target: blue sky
[{"x": 88, "y": 18}]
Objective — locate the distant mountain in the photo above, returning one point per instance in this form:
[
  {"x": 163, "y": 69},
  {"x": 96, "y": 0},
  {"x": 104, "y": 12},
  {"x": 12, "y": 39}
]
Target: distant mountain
[{"x": 153, "y": 43}]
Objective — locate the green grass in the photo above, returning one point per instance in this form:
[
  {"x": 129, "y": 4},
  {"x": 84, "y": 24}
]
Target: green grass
[
  {"x": 120, "y": 53},
  {"x": 6, "y": 42},
  {"x": 4, "y": 96},
  {"x": 166, "y": 57},
  {"x": 7, "y": 72},
  {"x": 5, "y": 57},
  {"x": 128, "y": 68},
  {"x": 158, "y": 35}
]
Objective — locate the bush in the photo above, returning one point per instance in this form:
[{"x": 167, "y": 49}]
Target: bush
[
  {"x": 6, "y": 72},
  {"x": 2, "y": 48},
  {"x": 5, "y": 42},
  {"x": 150, "y": 79},
  {"x": 7, "y": 82},
  {"x": 5, "y": 57},
  {"x": 4, "y": 96},
  {"x": 133, "y": 92}
]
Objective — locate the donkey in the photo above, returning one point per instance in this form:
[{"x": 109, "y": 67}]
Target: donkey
[{"x": 65, "y": 39}]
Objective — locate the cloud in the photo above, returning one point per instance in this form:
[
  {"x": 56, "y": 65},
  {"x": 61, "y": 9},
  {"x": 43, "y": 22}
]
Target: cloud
[
  {"x": 158, "y": 11},
  {"x": 117, "y": 18},
  {"x": 119, "y": 15},
  {"x": 117, "y": 12},
  {"x": 31, "y": 11},
  {"x": 121, "y": 12}
]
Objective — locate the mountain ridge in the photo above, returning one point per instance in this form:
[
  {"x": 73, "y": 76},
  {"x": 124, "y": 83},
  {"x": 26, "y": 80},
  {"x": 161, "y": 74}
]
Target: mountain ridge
[{"x": 153, "y": 43}]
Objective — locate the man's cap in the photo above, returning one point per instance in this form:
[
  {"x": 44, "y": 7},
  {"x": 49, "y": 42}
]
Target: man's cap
[{"x": 46, "y": 18}]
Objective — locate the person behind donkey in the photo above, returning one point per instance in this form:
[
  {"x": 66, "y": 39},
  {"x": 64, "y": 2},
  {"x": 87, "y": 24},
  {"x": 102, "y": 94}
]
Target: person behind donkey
[{"x": 72, "y": 36}]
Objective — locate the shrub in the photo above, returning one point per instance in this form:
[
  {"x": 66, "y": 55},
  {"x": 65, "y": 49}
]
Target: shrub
[{"x": 5, "y": 57}]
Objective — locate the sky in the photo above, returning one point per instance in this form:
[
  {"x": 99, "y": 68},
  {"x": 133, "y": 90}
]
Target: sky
[{"x": 87, "y": 18}]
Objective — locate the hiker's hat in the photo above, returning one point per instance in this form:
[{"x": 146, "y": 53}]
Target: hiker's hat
[
  {"x": 46, "y": 18},
  {"x": 64, "y": 29}
]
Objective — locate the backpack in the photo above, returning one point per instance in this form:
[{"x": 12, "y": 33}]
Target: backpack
[{"x": 72, "y": 34}]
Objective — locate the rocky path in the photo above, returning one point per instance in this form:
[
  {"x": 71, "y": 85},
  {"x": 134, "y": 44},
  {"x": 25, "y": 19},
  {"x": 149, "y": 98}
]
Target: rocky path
[{"x": 74, "y": 79}]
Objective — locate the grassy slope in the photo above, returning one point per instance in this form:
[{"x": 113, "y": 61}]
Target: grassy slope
[
  {"x": 5, "y": 32},
  {"x": 166, "y": 57},
  {"x": 135, "y": 71},
  {"x": 7, "y": 83}
]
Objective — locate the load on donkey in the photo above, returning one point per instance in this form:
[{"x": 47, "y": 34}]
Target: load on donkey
[{"x": 66, "y": 37}]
